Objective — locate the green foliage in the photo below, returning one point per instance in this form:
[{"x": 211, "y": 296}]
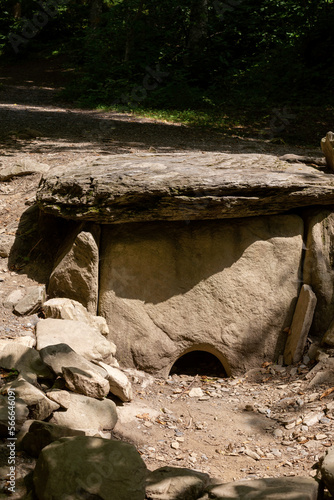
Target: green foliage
[{"x": 254, "y": 52}]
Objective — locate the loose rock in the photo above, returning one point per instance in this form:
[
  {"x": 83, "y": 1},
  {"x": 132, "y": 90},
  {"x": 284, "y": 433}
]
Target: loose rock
[
  {"x": 59, "y": 331},
  {"x": 87, "y": 414},
  {"x": 40, "y": 407},
  {"x": 90, "y": 467},
  {"x": 169, "y": 483},
  {"x": 80, "y": 375}
]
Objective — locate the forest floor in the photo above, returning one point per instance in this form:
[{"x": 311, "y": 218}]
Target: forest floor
[{"x": 247, "y": 427}]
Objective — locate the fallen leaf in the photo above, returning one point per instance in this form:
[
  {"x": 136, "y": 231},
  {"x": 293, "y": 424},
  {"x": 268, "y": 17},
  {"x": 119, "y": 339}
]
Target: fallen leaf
[
  {"x": 144, "y": 416},
  {"x": 327, "y": 393}
]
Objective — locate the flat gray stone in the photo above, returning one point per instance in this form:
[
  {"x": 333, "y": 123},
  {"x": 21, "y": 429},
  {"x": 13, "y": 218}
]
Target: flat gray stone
[
  {"x": 119, "y": 383},
  {"x": 81, "y": 337},
  {"x": 64, "y": 308},
  {"x": 27, "y": 361},
  {"x": 6, "y": 243},
  {"x": 21, "y": 413},
  {"x": 169, "y": 483},
  {"x": 13, "y": 298},
  {"x": 60, "y": 397},
  {"x": 327, "y": 469},
  {"x": 181, "y": 186},
  {"x": 22, "y": 167},
  {"x": 90, "y": 467},
  {"x": 300, "y": 327},
  {"x": 41, "y": 434},
  {"x": 32, "y": 300},
  {"x": 87, "y": 414},
  {"x": 80, "y": 375},
  {"x": 40, "y": 407},
  {"x": 287, "y": 488}
]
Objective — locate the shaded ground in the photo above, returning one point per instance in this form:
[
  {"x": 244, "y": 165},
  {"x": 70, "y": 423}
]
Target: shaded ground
[{"x": 236, "y": 428}]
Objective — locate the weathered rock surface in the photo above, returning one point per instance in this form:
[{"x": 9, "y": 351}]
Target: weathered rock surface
[
  {"x": 41, "y": 434},
  {"x": 327, "y": 144},
  {"x": 40, "y": 407},
  {"x": 82, "y": 338},
  {"x": 80, "y": 375},
  {"x": 227, "y": 287},
  {"x": 87, "y": 382},
  {"x": 13, "y": 298},
  {"x": 25, "y": 340},
  {"x": 25, "y": 360},
  {"x": 90, "y": 467},
  {"x": 32, "y": 301},
  {"x": 6, "y": 243},
  {"x": 169, "y": 483},
  {"x": 62, "y": 308},
  {"x": 288, "y": 488},
  {"x": 22, "y": 167},
  {"x": 300, "y": 327},
  {"x": 87, "y": 414},
  {"x": 21, "y": 414},
  {"x": 76, "y": 271},
  {"x": 318, "y": 266},
  {"x": 61, "y": 397},
  {"x": 327, "y": 469},
  {"x": 322, "y": 373},
  {"x": 328, "y": 338},
  {"x": 148, "y": 187},
  {"x": 119, "y": 383}
]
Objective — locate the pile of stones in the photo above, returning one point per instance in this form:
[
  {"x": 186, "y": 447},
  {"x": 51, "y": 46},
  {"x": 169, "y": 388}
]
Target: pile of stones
[{"x": 67, "y": 375}]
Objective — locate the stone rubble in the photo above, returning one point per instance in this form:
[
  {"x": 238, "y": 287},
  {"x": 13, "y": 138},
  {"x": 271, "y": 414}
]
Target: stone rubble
[
  {"x": 299, "y": 414},
  {"x": 80, "y": 376},
  {"x": 63, "y": 308},
  {"x": 32, "y": 301},
  {"x": 62, "y": 331}
]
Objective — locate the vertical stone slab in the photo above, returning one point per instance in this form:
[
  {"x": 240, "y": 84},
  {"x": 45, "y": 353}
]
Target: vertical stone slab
[
  {"x": 327, "y": 144},
  {"x": 76, "y": 272},
  {"x": 166, "y": 288},
  {"x": 300, "y": 327},
  {"x": 319, "y": 266}
]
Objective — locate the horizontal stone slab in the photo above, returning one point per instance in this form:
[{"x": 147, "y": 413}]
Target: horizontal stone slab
[{"x": 182, "y": 186}]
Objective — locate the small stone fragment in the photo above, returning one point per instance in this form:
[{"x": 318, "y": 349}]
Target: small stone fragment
[
  {"x": 13, "y": 298},
  {"x": 252, "y": 454},
  {"x": 196, "y": 392},
  {"x": 6, "y": 243},
  {"x": 312, "y": 418},
  {"x": 278, "y": 433},
  {"x": 32, "y": 300}
]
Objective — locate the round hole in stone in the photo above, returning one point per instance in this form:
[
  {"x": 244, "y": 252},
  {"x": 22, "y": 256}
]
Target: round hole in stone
[{"x": 198, "y": 363}]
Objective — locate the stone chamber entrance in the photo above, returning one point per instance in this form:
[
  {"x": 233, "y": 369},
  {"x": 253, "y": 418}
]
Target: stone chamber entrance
[{"x": 180, "y": 251}]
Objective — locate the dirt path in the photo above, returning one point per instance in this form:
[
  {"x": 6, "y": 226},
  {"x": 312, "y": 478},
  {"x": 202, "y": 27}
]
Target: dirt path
[{"x": 236, "y": 428}]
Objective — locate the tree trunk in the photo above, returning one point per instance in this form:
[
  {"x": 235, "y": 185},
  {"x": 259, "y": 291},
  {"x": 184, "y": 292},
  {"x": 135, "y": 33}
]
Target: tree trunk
[
  {"x": 17, "y": 10},
  {"x": 198, "y": 28},
  {"x": 130, "y": 30}
]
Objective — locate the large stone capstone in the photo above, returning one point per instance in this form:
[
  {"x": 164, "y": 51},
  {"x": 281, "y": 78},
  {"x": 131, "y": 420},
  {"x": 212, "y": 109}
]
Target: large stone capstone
[
  {"x": 148, "y": 187},
  {"x": 197, "y": 251}
]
